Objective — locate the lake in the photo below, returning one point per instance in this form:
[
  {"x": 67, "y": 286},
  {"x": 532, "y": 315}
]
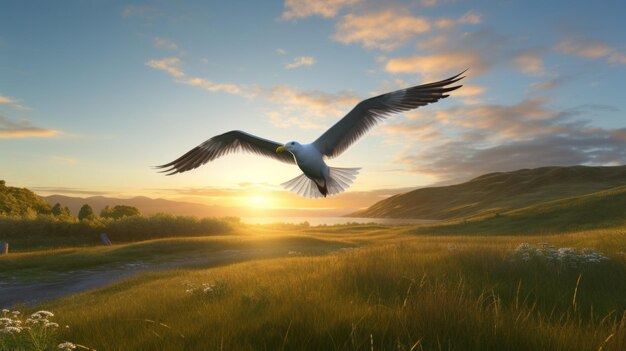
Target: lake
[{"x": 334, "y": 220}]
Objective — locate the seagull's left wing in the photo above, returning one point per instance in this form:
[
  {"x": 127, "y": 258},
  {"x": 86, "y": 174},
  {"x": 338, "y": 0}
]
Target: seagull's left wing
[
  {"x": 368, "y": 112},
  {"x": 224, "y": 144}
]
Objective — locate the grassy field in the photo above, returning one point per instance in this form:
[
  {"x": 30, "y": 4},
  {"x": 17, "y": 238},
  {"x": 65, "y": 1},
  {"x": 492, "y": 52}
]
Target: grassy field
[{"x": 353, "y": 288}]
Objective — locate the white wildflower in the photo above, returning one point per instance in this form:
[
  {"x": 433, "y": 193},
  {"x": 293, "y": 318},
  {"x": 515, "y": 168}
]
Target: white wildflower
[
  {"x": 44, "y": 313},
  {"x": 11, "y": 330},
  {"x": 51, "y": 325},
  {"x": 15, "y": 313},
  {"x": 5, "y": 311},
  {"x": 67, "y": 346}
]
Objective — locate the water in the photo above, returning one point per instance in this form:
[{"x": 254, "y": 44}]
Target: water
[{"x": 334, "y": 220}]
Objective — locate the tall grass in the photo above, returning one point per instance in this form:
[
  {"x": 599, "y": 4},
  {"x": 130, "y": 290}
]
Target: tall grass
[{"x": 413, "y": 293}]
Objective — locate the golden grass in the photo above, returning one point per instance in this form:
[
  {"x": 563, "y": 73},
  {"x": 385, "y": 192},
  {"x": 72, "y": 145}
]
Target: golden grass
[{"x": 394, "y": 292}]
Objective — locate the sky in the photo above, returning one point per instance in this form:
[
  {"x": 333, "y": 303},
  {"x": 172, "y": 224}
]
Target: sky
[{"x": 93, "y": 92}]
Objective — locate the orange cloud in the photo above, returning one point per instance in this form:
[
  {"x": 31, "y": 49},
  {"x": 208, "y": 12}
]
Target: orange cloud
[
  {"x": 617, "y": 58},
  {"x": 384, "y": 30},
  {"x": 305, "y": 8},
  {"x": 438, "y": 64},
  {"x": 305, "y": 109},
  {"x": 23, "y": 129},
  {"x": 6, "y": 100},
  {"x": 583, "y": 48},
  {"x": 165, "y": 44},
  {"x": 170, "y": 65},
  {"x": 301, "y": 61},
  {"x": 530, "y": 63}
]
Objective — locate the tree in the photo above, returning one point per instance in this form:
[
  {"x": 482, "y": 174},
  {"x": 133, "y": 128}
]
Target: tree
[
  {"x": 119, "y": 211},
  {"x": 86, "y": 212},
  {"x": 58, "y": 210}
]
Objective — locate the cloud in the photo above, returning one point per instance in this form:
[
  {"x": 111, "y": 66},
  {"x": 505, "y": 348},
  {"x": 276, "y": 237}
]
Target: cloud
[
  {"x": 429, "y": 3},
  {"x": 462, "y": 142},
  {"x": 23, "y": 129},
  {"x": 306, "y": 109},
  {"x": 170, "y": 65},
  {"x": 617, "y": 58},
  {"x": 142, "y": 11},
  {"x": 6, "y": 100},
  {"x": 438, "y": 64},
  {"x": 13, "y": 103},
  {"x": 280, "y": 51},
  {"x": 583, "y": 48},
  {"x": 211, "y": 86},
  {"x": 529, "y": 62},
  {"x": 469, "y": 17},
  {"x": 385, "y": 30},
  {"x": 165, "y": 44},
  {"x": 301, "y": 61},
  {"x": 305, "y": 8}
]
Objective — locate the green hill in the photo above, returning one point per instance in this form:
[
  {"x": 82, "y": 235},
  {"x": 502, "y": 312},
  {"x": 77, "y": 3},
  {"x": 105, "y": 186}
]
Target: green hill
[
  {"x": 499, "y": 193},
  {"x": 20, "y": 201},
  {"x": 601, "y": 209}
]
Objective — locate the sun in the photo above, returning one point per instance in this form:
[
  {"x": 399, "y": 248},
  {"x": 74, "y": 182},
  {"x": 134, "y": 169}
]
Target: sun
[{"x": 257, "y": 201}]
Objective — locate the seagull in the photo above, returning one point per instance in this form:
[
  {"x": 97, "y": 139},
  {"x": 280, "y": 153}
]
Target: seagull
[{"x": 318, "y": 179}]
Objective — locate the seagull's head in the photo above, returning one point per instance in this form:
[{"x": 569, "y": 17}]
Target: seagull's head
[{"x": 292, "y": 146}]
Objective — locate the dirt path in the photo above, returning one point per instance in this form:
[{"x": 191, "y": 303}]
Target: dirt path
[{"x": 77, "y": 281}]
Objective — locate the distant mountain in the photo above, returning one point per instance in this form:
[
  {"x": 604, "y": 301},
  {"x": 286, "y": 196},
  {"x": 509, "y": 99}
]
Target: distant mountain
[
  {"x": 146, "y": 205},
  {"x": 149, "y": 206},
  {"x": 498, "y": 193}
]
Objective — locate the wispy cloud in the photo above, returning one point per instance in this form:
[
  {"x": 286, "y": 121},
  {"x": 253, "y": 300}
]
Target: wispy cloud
[
  {"x": 22, "y": 129},
  {"x": 590, "y": 49},
  {"x": 13, "y": 103},
  {"x": 530, "y": 62},
  {"x": 300, "y": 61},
  {"x": 142, "y": 11},
  {"x": 386, "y": 30},
  {"x": 462, "y": 142},
  {"x": 438, "y": 64},
  {"x": 470, "y": 17},
  {"x": 6, "y": 100},
  {"x": 583, "y": 48},
  {"x": 171, "y": 65},
  {"x": 305, "y": 8},
  {"x": 306, "y": 109},
  {"x": 280, "y": 51},
  {"x": 165, "y": 44}
]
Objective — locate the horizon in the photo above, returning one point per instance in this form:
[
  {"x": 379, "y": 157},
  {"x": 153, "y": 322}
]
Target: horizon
[{"x": 93, "y": 94}]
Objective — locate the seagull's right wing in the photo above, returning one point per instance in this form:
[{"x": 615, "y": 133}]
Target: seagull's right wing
[
  {"x": 368, "y": 112},
  {"x": 224, "y": 144}
]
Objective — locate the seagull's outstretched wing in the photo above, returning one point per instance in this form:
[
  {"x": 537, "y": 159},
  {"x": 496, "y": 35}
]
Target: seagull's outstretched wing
[
  {"x": 368, "y": 112},
  {"x": 223, "y": 144}
]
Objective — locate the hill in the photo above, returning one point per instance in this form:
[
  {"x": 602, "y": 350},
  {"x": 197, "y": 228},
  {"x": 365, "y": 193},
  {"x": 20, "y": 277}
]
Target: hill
[
  {"x": 497, "y": 193},
  {"x": 20, "y": 201},
  {"x": 602, "y": 209}
]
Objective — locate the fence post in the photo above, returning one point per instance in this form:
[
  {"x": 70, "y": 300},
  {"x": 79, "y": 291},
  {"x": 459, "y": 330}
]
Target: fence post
[
  {"x": 105, "y": 239},
  {"x": 4, "y": 248}
]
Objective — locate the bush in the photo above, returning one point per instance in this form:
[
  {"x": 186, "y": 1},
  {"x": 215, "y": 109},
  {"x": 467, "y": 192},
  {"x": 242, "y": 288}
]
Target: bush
[{"x": 42, "y": 231}]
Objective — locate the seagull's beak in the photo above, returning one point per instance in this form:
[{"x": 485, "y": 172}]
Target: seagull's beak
[{"x": 281, "y": 149}]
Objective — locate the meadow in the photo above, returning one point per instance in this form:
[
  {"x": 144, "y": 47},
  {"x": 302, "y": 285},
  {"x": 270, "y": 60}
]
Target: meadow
[{"x": 352, "y": 287}]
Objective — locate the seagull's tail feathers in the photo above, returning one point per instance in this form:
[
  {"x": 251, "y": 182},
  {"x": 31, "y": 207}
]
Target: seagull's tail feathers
[{"x": 339, "y": 180}]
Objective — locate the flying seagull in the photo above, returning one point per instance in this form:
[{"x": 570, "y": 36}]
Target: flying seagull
[{"x": 318, "y": 179}]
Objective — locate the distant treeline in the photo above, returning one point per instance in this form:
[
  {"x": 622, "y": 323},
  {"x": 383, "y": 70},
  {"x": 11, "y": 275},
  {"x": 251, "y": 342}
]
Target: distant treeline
[{"x": 49, "y": 231}]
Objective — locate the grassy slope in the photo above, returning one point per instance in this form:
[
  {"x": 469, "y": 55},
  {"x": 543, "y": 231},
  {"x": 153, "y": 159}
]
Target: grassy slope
[
  {"x": 597, "y": 210},
  {"x": 498, "y": 192},
  {"x": 395, "y": 293}
]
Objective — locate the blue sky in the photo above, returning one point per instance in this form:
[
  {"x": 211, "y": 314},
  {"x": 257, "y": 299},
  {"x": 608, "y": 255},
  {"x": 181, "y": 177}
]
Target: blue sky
[{"x": 93, "y": 93}]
